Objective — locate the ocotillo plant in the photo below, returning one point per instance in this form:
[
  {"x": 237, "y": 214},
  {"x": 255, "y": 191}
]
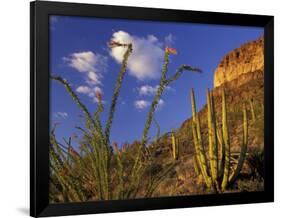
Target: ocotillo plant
[
  {"x": 97, "y": 146},
  {"x": 158, "y": 130},
  {"x": 175, "y": 146},
  {"x": 117, "y": 86},
  {"x": 100, "y": 158},
  {"x": 217, "y": 174},
  {"x": 163, "y": 84},
  {"x": 61, "y": 171}
]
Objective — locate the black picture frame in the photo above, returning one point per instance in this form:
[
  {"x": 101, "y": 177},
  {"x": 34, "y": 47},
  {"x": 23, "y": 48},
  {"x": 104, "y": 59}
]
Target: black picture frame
[{"x": 39, "y": 108}]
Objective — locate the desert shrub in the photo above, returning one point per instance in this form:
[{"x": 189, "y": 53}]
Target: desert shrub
[
  {"x": 255, "y": 161},
  {"x": 246, "y": 185}
]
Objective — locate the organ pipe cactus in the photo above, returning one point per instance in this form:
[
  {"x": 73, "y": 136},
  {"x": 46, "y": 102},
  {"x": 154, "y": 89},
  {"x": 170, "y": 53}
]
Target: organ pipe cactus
[
  {"x": 175, "y": 146},
  {"x": 199, "y": 149},
  {"x": 217, "y": 173},
  {"x": 252, "y": 110},
  {"x": 213, "y": 146},
  {"x": 196, "y": 165}
]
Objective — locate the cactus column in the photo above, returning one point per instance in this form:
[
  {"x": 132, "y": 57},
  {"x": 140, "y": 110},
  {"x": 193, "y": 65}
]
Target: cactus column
[
  {"x": 218, "y": 176},
  {"x": 175, "y": 146}
]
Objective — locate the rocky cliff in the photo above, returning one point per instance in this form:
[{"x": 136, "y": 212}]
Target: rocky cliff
[{"x": 241, "y": 64}]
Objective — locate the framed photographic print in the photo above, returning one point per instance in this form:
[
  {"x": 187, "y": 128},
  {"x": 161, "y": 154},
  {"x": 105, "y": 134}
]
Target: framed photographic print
[{"x": 140, "y": 109}]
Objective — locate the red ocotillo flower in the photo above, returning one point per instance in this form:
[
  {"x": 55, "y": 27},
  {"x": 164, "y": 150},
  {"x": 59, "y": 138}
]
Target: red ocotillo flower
[
  {"x": 98, "y": 95},
  {"x": 73, "y": 153},
  {"x": 171, "y": 50},
  {"x": 114, "y": 44}
]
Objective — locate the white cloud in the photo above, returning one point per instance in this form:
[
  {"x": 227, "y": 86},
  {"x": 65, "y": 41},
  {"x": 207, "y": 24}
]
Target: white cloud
[
  {"x": 94, "y": 78},
  {"x": 90, "y": 92},
  {"x": 83, "y": 89},
  {"x": 92, "y": 66},
  {"x": 160, "y": 105},
  {"x": 83, "y": 61},
  {"x": 169, "y": 40},
  {"x": 62, "y": 115},
  {"x": 147, "y": 57},
  {"x": 150, "y": 90},
  {"x": 90, "y": 63},
  {"x": 147, "y": 90},
  {"x": 141, "y": 104},
  {"x": 98, "y": 89}
]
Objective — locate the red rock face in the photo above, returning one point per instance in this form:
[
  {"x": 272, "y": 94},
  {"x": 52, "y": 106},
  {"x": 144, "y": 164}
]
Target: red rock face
[{"x": 240, "y": 63}]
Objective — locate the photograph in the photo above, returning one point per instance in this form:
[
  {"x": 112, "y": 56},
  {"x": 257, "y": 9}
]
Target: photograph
[
  {"x": 148, "y": 109},
  {"x": 140, "y": 108}
]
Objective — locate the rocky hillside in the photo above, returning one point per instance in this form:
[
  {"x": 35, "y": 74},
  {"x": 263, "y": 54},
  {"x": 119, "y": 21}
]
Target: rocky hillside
[{"x": 240, "y": 72}]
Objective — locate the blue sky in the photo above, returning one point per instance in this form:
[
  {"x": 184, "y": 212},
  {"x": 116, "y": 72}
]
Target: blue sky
[{"x": 79, "y": 53}]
